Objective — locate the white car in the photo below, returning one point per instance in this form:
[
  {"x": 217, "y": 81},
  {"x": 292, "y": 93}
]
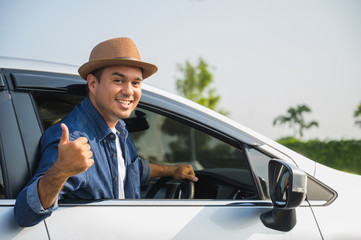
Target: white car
[{"x": 249, "y": 187}]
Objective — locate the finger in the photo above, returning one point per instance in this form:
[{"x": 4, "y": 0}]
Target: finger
[
  {"x": 90, "y": 162},
  {"x": 81, "y": 140},
  {"x": 189, "y": 169},
  {"x": 81, "y": 146},
  {"x": 89, "y": 154},
  {"x": 64, "y": 139},
  {"x": 190, "y": 174},
  {"x": 86, "y": 147},
  {"x": 191, "y": 177}
]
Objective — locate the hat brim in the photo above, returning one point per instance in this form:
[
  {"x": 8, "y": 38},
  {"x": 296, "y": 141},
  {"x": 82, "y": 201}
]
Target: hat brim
[{"x": 148, "y": 68}]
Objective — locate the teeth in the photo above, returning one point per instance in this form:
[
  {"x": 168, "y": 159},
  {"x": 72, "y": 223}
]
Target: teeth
[{"x": 124, "y": 102}]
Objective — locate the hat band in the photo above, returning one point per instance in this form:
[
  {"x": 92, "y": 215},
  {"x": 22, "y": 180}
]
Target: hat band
[{"x": 128, "y": 58}]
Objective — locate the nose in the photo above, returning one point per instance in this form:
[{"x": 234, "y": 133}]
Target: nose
[{"x": 127, "y": 89}]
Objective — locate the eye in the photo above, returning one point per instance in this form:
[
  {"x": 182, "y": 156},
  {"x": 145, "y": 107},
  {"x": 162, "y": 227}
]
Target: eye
[
  {"x": 136, "y": 83},
  {"x": 118, "y": 81}
]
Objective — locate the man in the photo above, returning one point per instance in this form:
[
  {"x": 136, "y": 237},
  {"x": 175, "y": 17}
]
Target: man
[{"x": 88, "y": 154}]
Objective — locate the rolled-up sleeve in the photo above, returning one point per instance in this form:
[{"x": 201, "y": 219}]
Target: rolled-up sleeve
[
  {"x": 28, "y": 210},
  {"x": 34, "y": 201},
  {"x": 144, "y": 168}
]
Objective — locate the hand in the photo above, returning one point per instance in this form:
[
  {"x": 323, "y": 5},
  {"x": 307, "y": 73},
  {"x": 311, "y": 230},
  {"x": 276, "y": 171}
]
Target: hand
[
  {"x": 74, "y": 157},
  {"x": 184, "y": 171}
]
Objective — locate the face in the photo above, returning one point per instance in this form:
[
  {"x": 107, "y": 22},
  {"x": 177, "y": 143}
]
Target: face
[{"x": 117, "y": 93}]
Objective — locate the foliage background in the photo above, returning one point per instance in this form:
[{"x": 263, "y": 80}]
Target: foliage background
[{"x": 344, "y": 155}]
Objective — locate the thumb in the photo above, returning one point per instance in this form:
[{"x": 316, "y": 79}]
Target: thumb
[
  {"x": 64, "y": 139},
  {"x": 192, "y": 177}
]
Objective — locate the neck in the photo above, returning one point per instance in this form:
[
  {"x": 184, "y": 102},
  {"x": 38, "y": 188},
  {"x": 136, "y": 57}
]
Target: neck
[{"x": 110, "y": 122}]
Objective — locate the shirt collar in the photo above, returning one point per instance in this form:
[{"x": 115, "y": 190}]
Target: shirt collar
[
  {"x": 121, "y": 128},
  {"x": 100, "y": 126}
]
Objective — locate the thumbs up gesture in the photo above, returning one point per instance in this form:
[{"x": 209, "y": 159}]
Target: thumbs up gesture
[{"x": 74, "y": 157}]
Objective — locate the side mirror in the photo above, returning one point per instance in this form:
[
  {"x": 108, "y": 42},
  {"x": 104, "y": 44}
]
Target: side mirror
[
  {"x": 137, "y": 123},
  {"x": 288, "y": 190}
]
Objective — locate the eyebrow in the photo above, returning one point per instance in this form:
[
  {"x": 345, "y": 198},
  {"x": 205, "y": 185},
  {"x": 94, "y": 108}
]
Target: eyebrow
[
  {"x": 123, "y": 76},
  {"x": 118, "y": 74}
]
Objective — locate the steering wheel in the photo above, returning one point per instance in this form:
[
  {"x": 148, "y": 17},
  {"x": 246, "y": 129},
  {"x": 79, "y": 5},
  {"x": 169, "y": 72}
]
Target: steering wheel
[{"x": 183, "y": 189}]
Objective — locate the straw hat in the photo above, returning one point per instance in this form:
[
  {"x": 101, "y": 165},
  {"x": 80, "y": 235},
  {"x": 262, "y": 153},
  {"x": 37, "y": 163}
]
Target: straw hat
[{"x": 117, "y": 51}]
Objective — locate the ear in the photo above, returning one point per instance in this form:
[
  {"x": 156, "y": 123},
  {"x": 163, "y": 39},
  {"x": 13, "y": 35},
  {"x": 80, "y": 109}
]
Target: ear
[{"x": 92, "y": 83}]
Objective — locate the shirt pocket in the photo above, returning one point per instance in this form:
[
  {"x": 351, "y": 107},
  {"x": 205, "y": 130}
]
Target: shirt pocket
[{"x": 132, "y": 190}]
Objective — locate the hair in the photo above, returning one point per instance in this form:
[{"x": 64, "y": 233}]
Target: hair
[{"x": 97, "y": 73}]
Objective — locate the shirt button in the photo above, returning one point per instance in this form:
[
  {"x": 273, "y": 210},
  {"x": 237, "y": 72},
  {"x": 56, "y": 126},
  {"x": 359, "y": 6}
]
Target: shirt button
[
  {"x": 104, "y": 141},
  {"x": 114, "y": 154},
  {"x": 115, "y": 179},
  {"x": 111, "y": 135}
]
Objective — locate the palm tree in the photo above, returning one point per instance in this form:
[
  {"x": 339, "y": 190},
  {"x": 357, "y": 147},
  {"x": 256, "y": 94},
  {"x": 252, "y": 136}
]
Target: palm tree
[
  {"x": 357, "y": 114},
  {"x": 295, "y": 119}
]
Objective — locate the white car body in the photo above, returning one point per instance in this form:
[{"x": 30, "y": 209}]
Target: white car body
[{"x": 195, "y": 219}]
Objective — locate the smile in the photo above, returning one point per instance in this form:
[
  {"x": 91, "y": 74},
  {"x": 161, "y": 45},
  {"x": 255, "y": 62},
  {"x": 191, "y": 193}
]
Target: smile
[{"x": 125, "y": 102}]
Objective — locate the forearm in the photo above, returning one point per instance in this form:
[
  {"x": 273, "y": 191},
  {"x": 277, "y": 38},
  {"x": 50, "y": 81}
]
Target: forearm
[
  {"x": 178, "y": 172},
  {"x": 50, "y": 185},
  {"x": 161, "y": 170}
]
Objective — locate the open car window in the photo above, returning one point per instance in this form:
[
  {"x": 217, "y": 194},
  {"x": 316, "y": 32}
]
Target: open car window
[
  {"x": 220, "y": 164},
  {"x": 167, "y": 141},
  {"x": 53, "y": 106}
]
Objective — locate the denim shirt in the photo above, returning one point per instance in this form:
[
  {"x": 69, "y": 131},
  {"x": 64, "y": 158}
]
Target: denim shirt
[{"x": 100, "y": 181}]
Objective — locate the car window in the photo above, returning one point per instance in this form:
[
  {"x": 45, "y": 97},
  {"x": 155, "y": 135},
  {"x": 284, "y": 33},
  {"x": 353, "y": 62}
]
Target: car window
[
  {"x": 259, "y": 162},
  {"x": 53, "y": 106},
  {"x": 221, "y": 165},
  {"x": 167, "y": 141}
]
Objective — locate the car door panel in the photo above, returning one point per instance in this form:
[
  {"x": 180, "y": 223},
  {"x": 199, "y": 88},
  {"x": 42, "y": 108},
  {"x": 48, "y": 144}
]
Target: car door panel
[
  {"x": 9, "y": 229},
  {"x": 139, "y": 219}
]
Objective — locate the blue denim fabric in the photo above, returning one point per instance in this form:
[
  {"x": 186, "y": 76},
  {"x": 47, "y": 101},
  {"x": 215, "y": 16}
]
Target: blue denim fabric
[{"x": 100, "y": 181}]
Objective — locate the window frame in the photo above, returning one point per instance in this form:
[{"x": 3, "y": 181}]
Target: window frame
[{"x": 213, "y": 132}]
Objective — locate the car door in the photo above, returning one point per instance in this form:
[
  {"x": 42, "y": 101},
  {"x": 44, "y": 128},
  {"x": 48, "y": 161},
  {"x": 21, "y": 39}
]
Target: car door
[
  {"x": 229, "y": 209},
  {"x": 229, "y": 199},
  {"x": 13, "y": 167}
]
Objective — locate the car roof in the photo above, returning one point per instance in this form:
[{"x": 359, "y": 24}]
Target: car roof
[{"x": 37, "y": 65}]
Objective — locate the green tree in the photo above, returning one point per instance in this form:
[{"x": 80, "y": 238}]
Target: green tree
[
  {"x": 195, "y": 82},
  {"x": 294, "y": 118},
  {"x": 357, "y": 115}
]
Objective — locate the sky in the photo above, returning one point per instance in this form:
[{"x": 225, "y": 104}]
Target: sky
[{"x": 265, "y": 56}]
